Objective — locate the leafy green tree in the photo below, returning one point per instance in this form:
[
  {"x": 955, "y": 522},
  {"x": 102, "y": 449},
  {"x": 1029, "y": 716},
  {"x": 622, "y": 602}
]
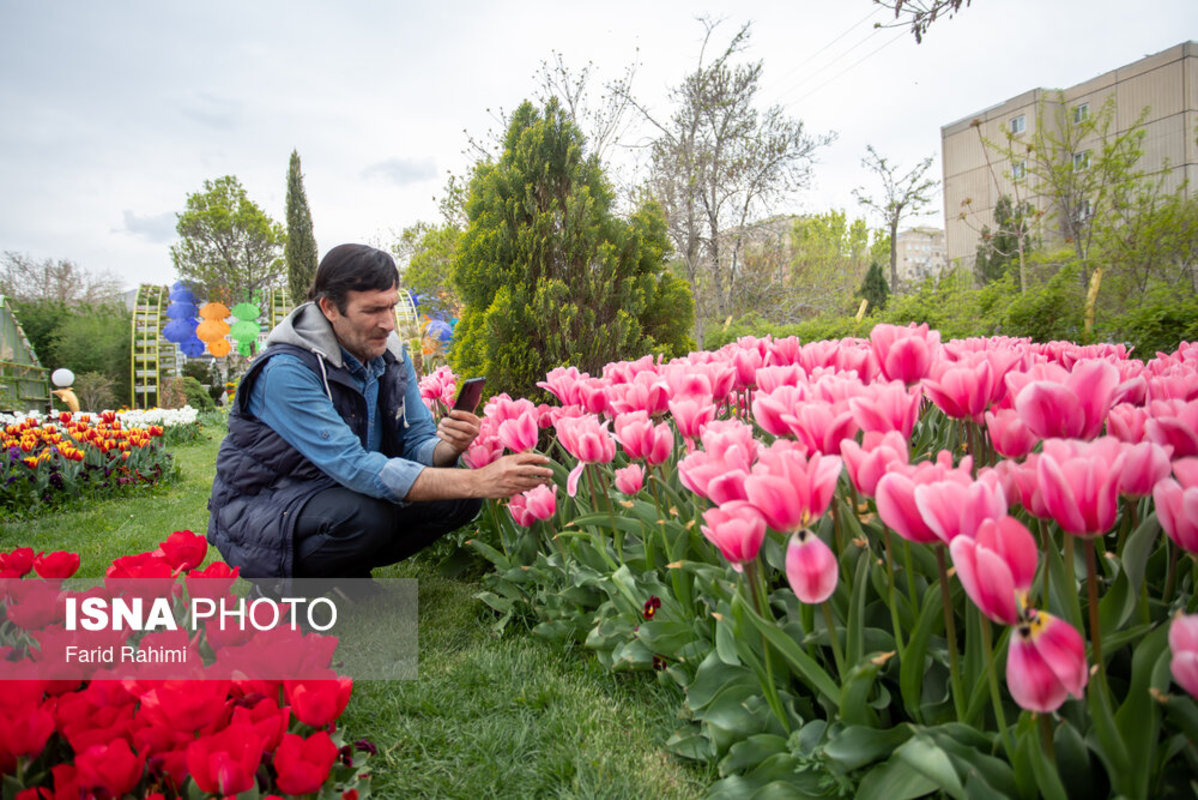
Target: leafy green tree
[
  {"x": 547, "y": 274},
  {"x": 874, "y": 287},
  {"x": 427, "y": 254},
  {"x": 300, "y": 250},
  {"x": 228, "y": 245},
  {"x": 998, "y": 249},
  {"x": 96, "y": 339}
]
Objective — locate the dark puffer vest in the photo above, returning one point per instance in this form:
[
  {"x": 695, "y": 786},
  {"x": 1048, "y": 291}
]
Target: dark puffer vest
[{"x": 262, "y": 482}]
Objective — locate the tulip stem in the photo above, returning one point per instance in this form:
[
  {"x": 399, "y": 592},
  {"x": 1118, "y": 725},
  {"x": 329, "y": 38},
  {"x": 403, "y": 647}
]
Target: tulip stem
[
  {"x": 755, "y": 582},
  {"x": 974, "y": 459},
  {"x": 498, "y": 528},
  {"x": 834, "y": 638},
  {"x": 950, "y": 634},
  {"x": 1070, "y": 589},
  {"x": 1046, "y": 737},
  {"x": 1000, "y": 716},
  {"x": 908, "y": 567},
  {"x": 1171, "y": 581},
  {"x": 1092, "y": 583},
  {"x": 616, "y": 533},
  {"x": 894, "y": 615}
]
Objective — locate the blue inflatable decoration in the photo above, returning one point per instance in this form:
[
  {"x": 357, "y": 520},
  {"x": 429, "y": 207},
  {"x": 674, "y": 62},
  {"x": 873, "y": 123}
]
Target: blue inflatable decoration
[
  {"x": 179, "y": 330},
  {"x": 181, "y": 310},
  {"x": 182, "y": 295},
  {"x": 192, "y": 347},
  {"x": 440, "y": 330}
]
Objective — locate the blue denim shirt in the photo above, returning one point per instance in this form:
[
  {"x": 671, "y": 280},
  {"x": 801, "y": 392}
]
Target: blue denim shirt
[{"x": 301, "y": 413}]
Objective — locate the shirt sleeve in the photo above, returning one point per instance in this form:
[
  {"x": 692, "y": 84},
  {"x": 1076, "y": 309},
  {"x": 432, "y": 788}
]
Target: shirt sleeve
[{"x": 290, "y": 398}]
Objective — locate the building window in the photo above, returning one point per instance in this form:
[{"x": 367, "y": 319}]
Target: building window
[
  {"x": 1084, "y": 210},
  {"x": 1081, "y": 113},
  {"x": 1081, "y": 160},
  {"x": 1018, "y": 170},
  {"x": 1018, "y": 124}
]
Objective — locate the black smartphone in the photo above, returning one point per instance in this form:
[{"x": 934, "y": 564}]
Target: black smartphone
[{"x": 469, "y": 394}]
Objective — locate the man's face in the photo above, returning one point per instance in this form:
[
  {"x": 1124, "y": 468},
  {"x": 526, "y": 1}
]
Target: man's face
[{"x": 368, "y": 319}]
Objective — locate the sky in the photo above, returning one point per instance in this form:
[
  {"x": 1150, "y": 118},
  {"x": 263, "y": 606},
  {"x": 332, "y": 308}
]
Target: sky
[{"x": 112, "y": 113}]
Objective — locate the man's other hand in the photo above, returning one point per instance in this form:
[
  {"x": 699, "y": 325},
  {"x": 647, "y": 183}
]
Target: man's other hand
[{"x": 513, "y": 474}]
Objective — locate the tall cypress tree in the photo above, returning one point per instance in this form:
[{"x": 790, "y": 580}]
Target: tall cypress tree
[
  {"x": 874, "y": 287},
  {"x": 300, "y": 250}
]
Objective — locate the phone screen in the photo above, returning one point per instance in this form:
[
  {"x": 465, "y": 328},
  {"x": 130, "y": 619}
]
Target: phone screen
[{"x": 469, "y": 395}]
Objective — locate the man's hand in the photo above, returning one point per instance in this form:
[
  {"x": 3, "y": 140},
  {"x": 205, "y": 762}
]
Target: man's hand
[
  {"x": 458, "y": 430},
  {"x": 513, "y": 474}
]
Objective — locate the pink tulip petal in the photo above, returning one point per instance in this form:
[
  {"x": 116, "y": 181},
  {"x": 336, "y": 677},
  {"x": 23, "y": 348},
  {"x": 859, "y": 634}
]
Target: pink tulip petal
[{"x": 572, "y": 479}]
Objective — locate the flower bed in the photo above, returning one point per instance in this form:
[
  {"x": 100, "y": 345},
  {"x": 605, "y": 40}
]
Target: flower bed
[
  {"x": 52, "y": 462},
  {"x": 881, "y": 567},
  {"x": 156, "y": 738}
]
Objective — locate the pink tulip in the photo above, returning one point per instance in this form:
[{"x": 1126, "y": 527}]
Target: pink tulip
[
  {"x": 737, "y": 529},
  {"x": 905, "y": 353},
  {"x": 746, "y": 362},
  {"x": 768, "y": 407},
  {"x": 1010, "y": 437},
  {"x": 629, "y": 479},
  {"x": 517, "y": 506},
  {"x": 1174, "y": 424},
  {"x": 1022, "y": 485},
  {"x": 953, "y": 507},
  {"x": 811, "y": 567},
  {"x": 1079, "y": 482},
  {"x": 642, "y": 440},
  {"x": 1183, "y": 644},
  {"x": 1144, "y": 465},
  {"x": 790, "y": 490},
  {"x": 1177, "y": 511},
  {"x": 1076, "y": 408},
  {"x": 1186, "y": 471},
  {"x": 562, "y": 382},
  {"x": 691, "y": 413},
  {"x": 710, "y": 477},
  {"x": 784, "y": 351},
  {"x": 591, "y": 395},
  {"x": 1046, "y": 661},
  {"x": 770, "y": 378},
  {"x": 868, "y": 462},
  {"x": 996, "y": 566},
  {"x": 732, "y": 442},
  {"x": 961, "y": 392},
  {"x": 482, "y": 451},
  {"x": 887, "y": 407},
  {"x": 586, "y": 440},
  {"x": 520, "y": 434},
  {"x": 895, "y": 494},
  {"x": 645, "y": 392},
  {"x": 820, "y": 426},
  {"x": 541, "y": 501},
  {"x": 502, "y": 407},
  {"x": 1126, "y": 423}
]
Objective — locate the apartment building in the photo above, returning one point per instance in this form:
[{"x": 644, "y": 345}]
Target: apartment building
[
  {"x": 975, "y": 176},
  {"x": 919, "y": 252}
]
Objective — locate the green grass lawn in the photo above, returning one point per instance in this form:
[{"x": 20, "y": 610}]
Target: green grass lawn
[{"x": 487, "y": 716}]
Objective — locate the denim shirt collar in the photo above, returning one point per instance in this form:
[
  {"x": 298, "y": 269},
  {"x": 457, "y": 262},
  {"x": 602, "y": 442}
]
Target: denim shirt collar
[{"x": 374, "y": 368}]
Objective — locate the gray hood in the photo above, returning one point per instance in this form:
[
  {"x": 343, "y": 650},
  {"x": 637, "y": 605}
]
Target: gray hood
[{"x": 308, "y": 328}]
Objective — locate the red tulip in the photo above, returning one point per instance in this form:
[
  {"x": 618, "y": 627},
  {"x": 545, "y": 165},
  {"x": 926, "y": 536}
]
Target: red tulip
[
  {"x": 1076, "y": 408},
  {"x": 17, "y": 563},
  {"x": 267, "y": 719},
  {"x": 303, "y": 764},
  {"x": 996, "y": 566},
  {"x": 811, "y": 567},
  {"x": 184, "y": 550},
  {"x": 1183, "y": 643},
  {"x": 1079, "y": 482},
  {"x": 225, "y": 762},
  {"x": 319, "y": 702},
  {"x": 25, "y": 732},
  {"x": 56, "y": 566},
  {"x": 213, "y": 581},
  {"x": 113, "y": 768},
  {"x": 905, "y": 353},
  {"x": 868, "y": 462},
  {"x": 187, "y": 705},
  {"x": 790, "y": 490},
  {"x": 737, "y": 529},
  {"x": 1046, "y": 661},
  {"x": 630, "y": 479}
]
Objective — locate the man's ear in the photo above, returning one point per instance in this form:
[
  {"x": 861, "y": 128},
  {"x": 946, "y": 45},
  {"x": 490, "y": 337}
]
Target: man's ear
[{"x": 327, "y": 307}]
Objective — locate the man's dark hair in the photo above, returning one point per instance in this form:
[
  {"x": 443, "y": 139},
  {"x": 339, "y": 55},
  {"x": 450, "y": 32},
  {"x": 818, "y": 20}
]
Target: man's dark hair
[{"x": 352, "y": 268}]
